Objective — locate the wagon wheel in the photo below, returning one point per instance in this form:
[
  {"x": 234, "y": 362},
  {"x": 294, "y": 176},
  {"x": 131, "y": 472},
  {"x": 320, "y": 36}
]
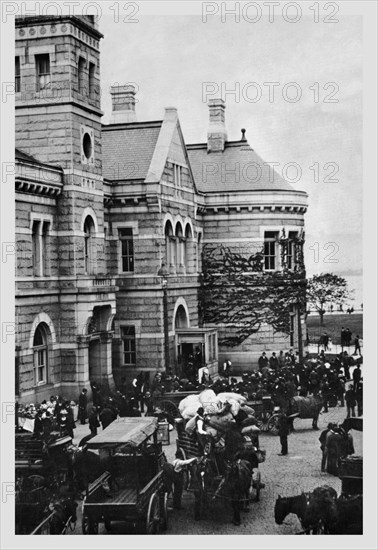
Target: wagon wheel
[
  {"x": 164, "y": 512},
  {"x": 262, "y": 425},
  {"x": 273, "y": 424},
  {"x": 153, "y": 515},
  {"x": 186, "y": 471},
  {"x": 170, "y": 409}
]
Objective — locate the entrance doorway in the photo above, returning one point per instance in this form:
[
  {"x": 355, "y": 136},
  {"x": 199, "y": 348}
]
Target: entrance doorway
[{"x": 94, "y": 360}]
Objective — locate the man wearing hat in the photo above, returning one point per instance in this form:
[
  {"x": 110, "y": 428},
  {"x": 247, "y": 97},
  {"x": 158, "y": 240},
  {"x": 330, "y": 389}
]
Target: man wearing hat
[
  {"x": 283, "y": 425},
  {"x": 83, "y": 402}
]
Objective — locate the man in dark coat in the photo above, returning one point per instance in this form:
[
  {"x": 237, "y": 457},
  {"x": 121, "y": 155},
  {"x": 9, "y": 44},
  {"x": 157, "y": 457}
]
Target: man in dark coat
[
  {"x": 356, "y": 376},
  {"x": 83, "y": 402},
  {"x": 93, "y": 421},
  {"x": 323, "y": 440},
  {"x": 263, "y": 361},
  {"x": 350, "y": 399},
  {"x": 107, "y": 416},
  {"x": 283, "y": 425}
]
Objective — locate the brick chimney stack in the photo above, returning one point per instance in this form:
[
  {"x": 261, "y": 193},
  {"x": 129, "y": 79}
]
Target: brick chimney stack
[
  {"x": 123, "y": 104},
  {"x": 217, "y": 133}
]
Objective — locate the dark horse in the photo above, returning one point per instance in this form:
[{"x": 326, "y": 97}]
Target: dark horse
[
  {"x": 316, "y": 511},
  {"x": 234, "y": 485},
  {"x": 64, "y": 513},
  {"x": 306, "y": 407}
]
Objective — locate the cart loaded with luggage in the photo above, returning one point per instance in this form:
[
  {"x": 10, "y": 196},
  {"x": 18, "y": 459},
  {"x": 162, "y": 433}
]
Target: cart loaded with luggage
[{"x": 131, "y": 488}]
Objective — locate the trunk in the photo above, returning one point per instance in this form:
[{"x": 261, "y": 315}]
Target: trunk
[{"x": 321, "y": 318}]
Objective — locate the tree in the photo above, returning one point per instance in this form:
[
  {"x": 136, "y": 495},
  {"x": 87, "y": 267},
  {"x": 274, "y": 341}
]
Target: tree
[
  {"x": 237, "y": 291},
  {"x": 327, "y": 288}
]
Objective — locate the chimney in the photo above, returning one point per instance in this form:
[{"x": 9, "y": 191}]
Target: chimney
[
  {"x": 217, "y": 133},
  {"x": 123, "y": 104}
]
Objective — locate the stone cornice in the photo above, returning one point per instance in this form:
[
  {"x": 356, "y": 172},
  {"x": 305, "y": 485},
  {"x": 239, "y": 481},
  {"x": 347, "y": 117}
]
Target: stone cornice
[{"x": 38, "y": 179}]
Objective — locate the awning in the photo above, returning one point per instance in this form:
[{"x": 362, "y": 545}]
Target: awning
[{"x": 125, "y": 431}]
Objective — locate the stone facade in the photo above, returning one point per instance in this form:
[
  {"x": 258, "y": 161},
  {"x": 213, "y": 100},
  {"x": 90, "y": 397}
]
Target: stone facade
[{"x": 112, "y": 221}]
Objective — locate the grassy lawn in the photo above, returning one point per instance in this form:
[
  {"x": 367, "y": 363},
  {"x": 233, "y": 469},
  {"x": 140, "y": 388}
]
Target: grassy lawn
[{"x": 332, "y": 325}]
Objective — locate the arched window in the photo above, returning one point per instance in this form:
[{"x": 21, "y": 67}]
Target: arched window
[
  {"x": 199, "y": 253},
  {"x": 170, "y": 253},
  {"x": 89, "y": 246},
  {"x": 40, "y": 351},
  {"x": 181, "y": 318},
  {"x": 179, "y": 247},
  {"x": 188, "y": 249}
]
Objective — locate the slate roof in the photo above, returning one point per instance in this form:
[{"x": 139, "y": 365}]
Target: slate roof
[
  {"x": 127, "y": 149},
  {"x": 237, "y": 168}
]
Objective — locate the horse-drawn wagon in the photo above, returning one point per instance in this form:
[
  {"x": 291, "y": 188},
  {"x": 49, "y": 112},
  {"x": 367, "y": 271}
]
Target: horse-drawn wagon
[
  {"x": 41, "y": 468},
  {"x": 131, "y": 489},
  {"x": 215, "y": 477}
]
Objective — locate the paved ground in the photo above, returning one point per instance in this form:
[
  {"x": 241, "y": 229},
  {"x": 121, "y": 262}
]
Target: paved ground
[{"x": 285, "y": 476}]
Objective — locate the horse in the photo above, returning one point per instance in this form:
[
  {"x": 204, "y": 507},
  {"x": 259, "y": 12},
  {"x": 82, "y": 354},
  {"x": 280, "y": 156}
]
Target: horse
[
  {"x": 316, "y": 510},
  {"x": 306, "y": 407},
  {"x": 64, "y": 512},
  {"x": 349, "y": 516},
  {"x": 352, "y": 423},
  {"x": 234, "y": 485},
  {"x": 85, "y": 465}
]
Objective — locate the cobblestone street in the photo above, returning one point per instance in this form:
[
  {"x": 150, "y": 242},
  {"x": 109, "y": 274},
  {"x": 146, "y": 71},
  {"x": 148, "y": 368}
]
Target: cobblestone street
[{"x": 282, "y": 475}]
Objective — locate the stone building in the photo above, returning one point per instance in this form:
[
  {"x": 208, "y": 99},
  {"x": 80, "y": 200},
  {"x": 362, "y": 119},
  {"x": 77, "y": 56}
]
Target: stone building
[{"x": 112, "y": 220}]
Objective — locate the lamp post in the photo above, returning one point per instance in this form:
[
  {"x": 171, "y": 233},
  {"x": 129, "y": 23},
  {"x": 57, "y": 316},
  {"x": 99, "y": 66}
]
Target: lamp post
[{"x": 163, "y": 273}]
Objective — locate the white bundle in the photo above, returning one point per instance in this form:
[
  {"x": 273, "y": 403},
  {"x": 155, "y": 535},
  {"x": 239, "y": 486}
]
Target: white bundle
[
  {"x": 248, "y": 410},
  {"x": 191, "y": 410},
  {"x": 188, "y": 401},
  {"x": 235, "y": 405},
  {"x": 190, "y": 426},
  {"x": 207, "y": 397},
  {"x": 231, "y": 395},
  {"x": 211, "y": 408}
]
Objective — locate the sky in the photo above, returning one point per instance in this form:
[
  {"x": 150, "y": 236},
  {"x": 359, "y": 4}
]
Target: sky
[{"x": 180, "y": 61}]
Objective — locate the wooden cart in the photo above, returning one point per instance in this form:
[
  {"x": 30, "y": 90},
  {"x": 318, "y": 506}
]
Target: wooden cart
[
  {"x": 132, "y": 487},
  {"x": 189, "y": 447},
  {"x": 169, "y": 402},
  {"x": 265, "y": 413}
]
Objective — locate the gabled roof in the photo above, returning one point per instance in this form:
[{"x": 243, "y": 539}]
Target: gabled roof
[
  {"x": 25, "y": 157},
  {"x": 237, "y": 168},
  {"x": 127, "y": 149}
]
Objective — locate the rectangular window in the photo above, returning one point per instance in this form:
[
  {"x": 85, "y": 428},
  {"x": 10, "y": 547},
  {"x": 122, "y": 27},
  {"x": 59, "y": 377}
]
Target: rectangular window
[
  {"x": 42, "y": 63},
  {"x": 290, "y": 258},
  {"x": 92, "y": 68},
  {"x": 36, "y": 252},
  {"x": 81, "y": 76},
  {"x": 17, "y": 75},
  {"x": 127, "y": 250},
  {"x": 270, "y": 250},
  {"x": 40, "y": 366},
  {"x": 45, "y": 248},
  {"x": 128, "y": 343}
]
